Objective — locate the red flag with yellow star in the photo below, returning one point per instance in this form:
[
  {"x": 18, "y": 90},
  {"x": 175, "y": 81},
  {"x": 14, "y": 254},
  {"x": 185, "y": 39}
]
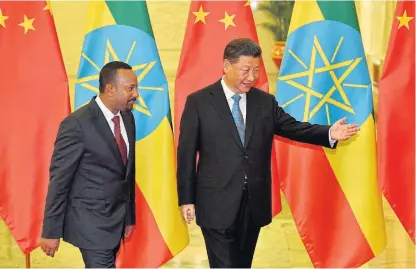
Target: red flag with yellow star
[
  {"x": 396, "y": 118},
  {"x": 211, "y": 26},
  {"x": 34, "y": 98}
]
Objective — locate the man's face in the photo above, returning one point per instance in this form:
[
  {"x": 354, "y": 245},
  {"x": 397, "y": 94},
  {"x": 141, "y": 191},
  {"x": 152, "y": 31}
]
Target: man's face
[
  {"x": 242, "y": 74},
  {"x": 125, "y": 89}
]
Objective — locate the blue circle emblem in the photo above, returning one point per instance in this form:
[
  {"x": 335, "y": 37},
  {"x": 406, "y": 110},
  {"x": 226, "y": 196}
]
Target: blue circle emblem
[
  {"x": 137, "y": 48},
  {"x": 324, "y": 75}
]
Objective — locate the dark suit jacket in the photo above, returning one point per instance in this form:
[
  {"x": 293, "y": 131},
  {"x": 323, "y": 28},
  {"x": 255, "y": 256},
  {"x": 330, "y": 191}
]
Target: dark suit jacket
[
  {"x": 91, "y": 194},
  {"x": 216, "y": 185}
]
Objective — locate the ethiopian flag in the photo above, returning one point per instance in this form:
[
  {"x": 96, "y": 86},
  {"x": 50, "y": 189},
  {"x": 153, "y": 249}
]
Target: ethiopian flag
[
  {"x": 122, "y": 31},
  {"x": 333, "y": 193}
]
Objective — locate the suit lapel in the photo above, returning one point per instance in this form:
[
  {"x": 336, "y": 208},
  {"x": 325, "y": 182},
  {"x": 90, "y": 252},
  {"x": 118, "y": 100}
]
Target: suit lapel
[
  {"x": 104, "y": 129},
  {"x": 220, "y": 104},
  {"x": 252, "y": 111},
  {"x": 130, "y": 135}
]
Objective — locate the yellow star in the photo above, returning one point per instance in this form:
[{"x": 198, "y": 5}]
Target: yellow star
[
  {"x": 247, "y": 4},
  {"x": 338, "y": 82},
  {"x": 48, "y": 7},
  {"x": 3, "y": 19},
  {"x": 200, "y": 15},
  {"x": 27, "y": 24},
  {"x": 228, "y": 20},
  {"x": 404, "y": 20}
]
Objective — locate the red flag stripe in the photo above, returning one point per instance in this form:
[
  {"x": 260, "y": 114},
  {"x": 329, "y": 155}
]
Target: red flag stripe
[{"x": 316, "y": 182}]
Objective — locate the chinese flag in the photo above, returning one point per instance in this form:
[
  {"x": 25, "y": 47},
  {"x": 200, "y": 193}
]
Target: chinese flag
[
  {"x": 396, "y": 118},
  {"x": 211, "y": 26},
  {"x": 33, "y": 101}
]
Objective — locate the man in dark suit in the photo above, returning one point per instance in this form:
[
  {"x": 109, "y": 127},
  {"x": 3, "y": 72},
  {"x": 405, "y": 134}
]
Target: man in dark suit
[
  {"x": 231, "y": 125},
  {"x": 91, "y": 194}
]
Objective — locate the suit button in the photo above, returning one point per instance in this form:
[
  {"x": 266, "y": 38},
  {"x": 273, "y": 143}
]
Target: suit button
[{"x": 245, "y": 157}]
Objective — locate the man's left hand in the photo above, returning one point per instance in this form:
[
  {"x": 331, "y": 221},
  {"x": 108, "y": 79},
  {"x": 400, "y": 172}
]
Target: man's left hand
[
  {"x": 341, "y": 131},
  {"x": 128, "y": 231}
]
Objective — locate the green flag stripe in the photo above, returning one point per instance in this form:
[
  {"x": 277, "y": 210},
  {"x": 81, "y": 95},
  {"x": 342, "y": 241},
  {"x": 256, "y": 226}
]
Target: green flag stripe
[
  {"x": 342, "y": 11},
  {"x": 132, "y": 13}
]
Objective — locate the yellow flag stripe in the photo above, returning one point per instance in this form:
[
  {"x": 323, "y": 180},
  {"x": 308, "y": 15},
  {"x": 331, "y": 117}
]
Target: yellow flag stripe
[
  {"x": 99, "y": 15},
  {"x": 354, "y": 165},
  {"x": 156, "y": 177},
  {"x": 304, "y": 12}
]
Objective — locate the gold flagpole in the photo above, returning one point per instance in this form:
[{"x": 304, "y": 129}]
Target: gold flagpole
[{"x": 28, "y": 260}]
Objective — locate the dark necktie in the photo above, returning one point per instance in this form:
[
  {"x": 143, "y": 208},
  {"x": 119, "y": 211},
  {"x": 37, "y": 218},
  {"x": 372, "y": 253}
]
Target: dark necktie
[{"x": 119, "y": 139}]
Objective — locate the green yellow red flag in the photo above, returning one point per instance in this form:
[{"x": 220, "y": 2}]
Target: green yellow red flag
[
  {"x": 121, "y": 30},
  {"x": 333, "y": 193}
]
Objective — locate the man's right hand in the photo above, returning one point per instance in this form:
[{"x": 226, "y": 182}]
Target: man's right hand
[
  {"x": 49, "y": 246},
  {"x": 188, "y": 212}
]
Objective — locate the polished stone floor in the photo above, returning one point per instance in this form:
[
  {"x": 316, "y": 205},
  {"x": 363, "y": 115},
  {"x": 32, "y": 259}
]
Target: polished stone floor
[{"x": 279, "y": 246}]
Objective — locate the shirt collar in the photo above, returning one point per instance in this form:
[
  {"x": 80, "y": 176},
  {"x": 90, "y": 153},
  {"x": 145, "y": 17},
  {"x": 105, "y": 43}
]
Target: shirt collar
[
  {"x": 107, "y": 112},
  {"x": 228, "y": 92}
]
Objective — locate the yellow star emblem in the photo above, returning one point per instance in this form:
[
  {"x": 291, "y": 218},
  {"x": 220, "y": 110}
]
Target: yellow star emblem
[
  {"x": 3, "y": 19},
  {"x": 228, "y": 20},
  {"x": 330, "y": 67},
  {"x": 27, "y": 24},
  {"x": 110, "y": 52},
  {"x": 200, "y": 15},
  {"x": 404, "y": 20},
  {"x": 48, "y": 6}
]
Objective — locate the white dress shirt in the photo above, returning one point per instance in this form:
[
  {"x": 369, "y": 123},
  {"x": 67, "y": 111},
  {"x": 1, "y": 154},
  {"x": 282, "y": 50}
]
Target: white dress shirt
[
  {"x": 109, "y": 117},
  {"x": 243, "y": 105},
  {"x": 229, "y": 95}
]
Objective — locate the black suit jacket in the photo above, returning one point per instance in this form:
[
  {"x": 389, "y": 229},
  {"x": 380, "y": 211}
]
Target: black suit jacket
[
  {"x": 216, "y": 184},
  {"x": 91, "y": 194}
]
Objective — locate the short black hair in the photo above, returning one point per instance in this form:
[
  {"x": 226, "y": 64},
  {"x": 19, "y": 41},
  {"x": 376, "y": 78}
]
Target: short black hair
[
  {"x": 109, "y": 71},
  {"x": 241, "y": 47}
]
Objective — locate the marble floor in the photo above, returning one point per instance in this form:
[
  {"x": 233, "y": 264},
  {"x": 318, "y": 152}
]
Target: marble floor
[{"x": 279, "y": 246}]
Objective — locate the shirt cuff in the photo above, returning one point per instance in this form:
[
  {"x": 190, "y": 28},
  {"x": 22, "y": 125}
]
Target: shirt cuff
[{"x": 331, "y": 142}]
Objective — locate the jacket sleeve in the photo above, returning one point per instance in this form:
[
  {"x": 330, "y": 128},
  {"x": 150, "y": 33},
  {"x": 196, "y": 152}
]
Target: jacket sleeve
[
  {"x": 131, "y": 202},
  {"x": 287, "y": 126},
  {"x": 68, "y": 149},
  {"x": 187, "y": 152}
]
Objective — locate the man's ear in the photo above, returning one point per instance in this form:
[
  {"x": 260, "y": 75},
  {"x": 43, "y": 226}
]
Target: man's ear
[
  {"x": 110, "y": 89},
  {"x": 226, "y": 66}
]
